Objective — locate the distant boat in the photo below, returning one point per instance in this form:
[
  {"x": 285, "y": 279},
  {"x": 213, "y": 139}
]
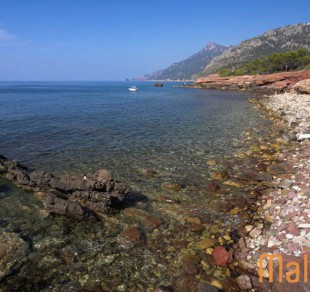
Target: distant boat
[{"x": 133, "y": 88}]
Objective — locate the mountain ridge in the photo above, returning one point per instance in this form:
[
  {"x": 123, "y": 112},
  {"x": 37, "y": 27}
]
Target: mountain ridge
[
  {"x": 282, "y": 39},
  {"x": 187, "y": 68}
]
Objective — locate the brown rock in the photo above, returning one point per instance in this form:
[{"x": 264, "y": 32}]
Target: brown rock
[
  {"x": 239, "y": 201},
  {"x": 247, "y": 266},
  {"x": 219, "y": 175},
  {"x": 227, "y": 207},
  {"x": 302, "y": 87},
  {"x": 244, "y": 216},
  {"x": 221, "y": 256},
  {"x": 230, "y": 285},
  {"x": 213, "y": 187},
  {"x": 241, "y": 242},
  {"x": 244, "y": 282},
  {"x": 171, "y": 186},
  {"x": 194, "y": 220},
  {"x": 196, "y": 227},
  {"x": 293, "y": 228},
  {"x": 153, "y": 222},
  {"x": 132, "y": 235},
  {"x": 190, "y": 264},
  {"x": 264, "y": 286}
]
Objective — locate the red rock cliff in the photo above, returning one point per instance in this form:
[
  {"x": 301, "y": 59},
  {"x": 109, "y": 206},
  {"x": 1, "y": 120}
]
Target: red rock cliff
[{"x": 278, "y": 82}]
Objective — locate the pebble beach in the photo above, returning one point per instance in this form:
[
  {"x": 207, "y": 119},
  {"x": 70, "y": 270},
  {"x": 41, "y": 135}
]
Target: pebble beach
[{"x": 284, "y": 205}]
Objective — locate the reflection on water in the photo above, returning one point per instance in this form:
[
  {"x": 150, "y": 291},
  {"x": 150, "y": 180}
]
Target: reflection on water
[{"x": 81, "y": 127}]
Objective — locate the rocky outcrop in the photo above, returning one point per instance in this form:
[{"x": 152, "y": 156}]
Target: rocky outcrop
[
  {"x": 79, "y": 196},
  {"x": 278, "y": 82},
  {"x": 302, "y": 87}
]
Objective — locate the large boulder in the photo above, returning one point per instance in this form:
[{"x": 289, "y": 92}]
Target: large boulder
[{"x": 302, "y": 87}]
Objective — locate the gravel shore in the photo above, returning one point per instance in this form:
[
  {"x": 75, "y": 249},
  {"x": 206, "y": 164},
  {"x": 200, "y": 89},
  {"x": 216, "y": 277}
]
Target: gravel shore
[{"x": 284, "y": 206}]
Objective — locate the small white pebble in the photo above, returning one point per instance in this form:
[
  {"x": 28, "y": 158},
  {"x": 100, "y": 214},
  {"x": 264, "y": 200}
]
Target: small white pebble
[{"x": 289, "y": 236}]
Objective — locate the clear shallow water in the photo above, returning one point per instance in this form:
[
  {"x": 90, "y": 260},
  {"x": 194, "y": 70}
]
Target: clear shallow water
[{"x": 84, "y": 126}]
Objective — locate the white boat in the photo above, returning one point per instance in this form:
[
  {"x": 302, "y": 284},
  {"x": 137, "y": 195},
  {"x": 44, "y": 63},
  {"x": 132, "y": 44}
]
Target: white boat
[{"x": 133, "y": 88}]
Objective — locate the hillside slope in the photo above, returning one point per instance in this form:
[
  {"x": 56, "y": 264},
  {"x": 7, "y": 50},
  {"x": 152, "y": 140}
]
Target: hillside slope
[
  {"x": 291, "y": 37},
  {"x": 185, "y": 69}
]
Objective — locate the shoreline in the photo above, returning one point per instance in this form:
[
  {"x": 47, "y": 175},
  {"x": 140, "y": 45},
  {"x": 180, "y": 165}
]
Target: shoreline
[
  {"x": 283, "y": 206},
  {"x": 244, "y": 266}
]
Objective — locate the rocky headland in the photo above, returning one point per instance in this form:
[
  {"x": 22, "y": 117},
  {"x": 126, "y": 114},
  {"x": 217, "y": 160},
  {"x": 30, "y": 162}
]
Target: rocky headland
[{"x": 278, "y": 82}]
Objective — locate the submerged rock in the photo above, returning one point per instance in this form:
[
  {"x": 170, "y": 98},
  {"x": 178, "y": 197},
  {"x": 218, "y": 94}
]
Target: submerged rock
[
  {"x": 171, "y": 186},
  {"x": 13, "y": 251},
  {"x": 221, "y": 256},
  {"x": 132, "y": 236},
  {"x": 80, "y": 196}
]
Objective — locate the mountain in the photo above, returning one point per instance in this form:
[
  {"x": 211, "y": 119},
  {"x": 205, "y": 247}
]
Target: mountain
[
  {"x": 283, "y": 39},
  {"x": 185, "y": 69}
]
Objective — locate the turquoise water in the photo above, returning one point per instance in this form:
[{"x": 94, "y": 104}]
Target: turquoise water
[{"x": 78, "y": 127}]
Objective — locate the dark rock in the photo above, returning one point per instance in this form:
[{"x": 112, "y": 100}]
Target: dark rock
[
  {"x": 162, "y": 288},
  {"x": 213, "y": 187},
  {"x": 239, "y": 201},
  {"x": 194, "y": 227},
  {"x": 234, "y": 235},
  {"x": 244, "y": 216},
  {"x": 39, "y": 179},
  {"x": 264, "y": 286},
  {"x": 190, "y": 264},
  {"x": 77, "y": 196},
  {"x": 226, "y": 207},
  {"x": 63, "y": 207}
]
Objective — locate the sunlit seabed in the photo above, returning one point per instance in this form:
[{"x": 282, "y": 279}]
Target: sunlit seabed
[{"x": 69, "y": 128}]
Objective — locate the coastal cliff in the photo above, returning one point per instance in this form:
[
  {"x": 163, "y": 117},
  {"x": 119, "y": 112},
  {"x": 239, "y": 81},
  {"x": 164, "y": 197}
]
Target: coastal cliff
[{"x": 278, "y": 82}]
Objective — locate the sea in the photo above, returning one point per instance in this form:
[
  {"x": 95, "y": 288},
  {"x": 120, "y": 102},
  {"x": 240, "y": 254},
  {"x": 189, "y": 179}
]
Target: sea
[{"x": 68, "y": 128}]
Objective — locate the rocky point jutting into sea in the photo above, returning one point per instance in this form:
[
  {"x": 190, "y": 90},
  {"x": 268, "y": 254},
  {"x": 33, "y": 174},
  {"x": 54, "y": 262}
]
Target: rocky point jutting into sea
[
  {"x": 276, "y": 82},
  {"x": 185, "y": 232}
]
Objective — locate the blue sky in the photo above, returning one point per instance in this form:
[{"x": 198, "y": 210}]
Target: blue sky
[{"x": 112, "y": 40}]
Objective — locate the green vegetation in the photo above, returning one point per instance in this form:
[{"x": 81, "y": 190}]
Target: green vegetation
[{"x": 278, "y": 62}]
